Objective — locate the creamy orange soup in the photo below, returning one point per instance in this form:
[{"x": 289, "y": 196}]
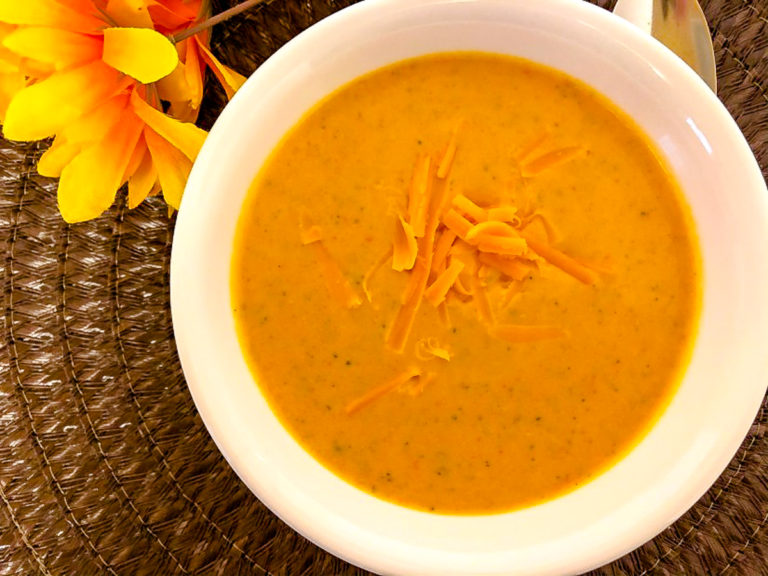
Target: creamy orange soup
[{"x": 545, "y": 257}]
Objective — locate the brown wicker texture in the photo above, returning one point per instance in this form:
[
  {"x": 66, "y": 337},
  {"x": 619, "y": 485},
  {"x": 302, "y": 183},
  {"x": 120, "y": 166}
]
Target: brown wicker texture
[{"x": 105, "y": 465}]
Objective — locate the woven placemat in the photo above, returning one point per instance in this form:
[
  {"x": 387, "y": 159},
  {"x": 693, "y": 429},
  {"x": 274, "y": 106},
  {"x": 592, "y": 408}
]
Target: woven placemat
[{"x": 105, "y": 465}]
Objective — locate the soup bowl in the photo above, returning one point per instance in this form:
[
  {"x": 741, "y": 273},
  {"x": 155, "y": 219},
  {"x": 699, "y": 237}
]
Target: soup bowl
[{"x": 691, "y": 442}]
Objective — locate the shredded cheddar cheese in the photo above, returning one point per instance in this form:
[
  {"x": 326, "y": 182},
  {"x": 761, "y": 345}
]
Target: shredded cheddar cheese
[
  {"x": 430, "y": 348},
  {"x": 416, "y": 386},
  {"x": 510, "y": 293},
  {"x": 337, "y": 284},
  {"x": 513, "y": 268},
  {"x": 460, "y": 287},
  {"x": 452, "y": 247},
  {"x": 481, "y": 300},
  {"x": 418, "y": 199},
  {"x": 437, "y": 291},
  {"x": 457, "y": 223},
  {"x": 309, "y": 233},
  {"x": 504, "y": 214},
  {"x": 404, "y": 246},
  {"x": 551, "y": 160},
  {"x": 502, "y": 246},
  {"x": 484, "y": 230},
  {"x": 539, "y": 219},
  {"x": 530, "y": 148},
  {"x": 403, "y": 323},
  {"x": 442, "y": 312},
  {"x": 470, "y": 209},
  {"x": 372, "y": 272},
  {"x": 442, "y": 247},
  {"x": 563, "y": 262},
  {"x": 383, "y": 389}
]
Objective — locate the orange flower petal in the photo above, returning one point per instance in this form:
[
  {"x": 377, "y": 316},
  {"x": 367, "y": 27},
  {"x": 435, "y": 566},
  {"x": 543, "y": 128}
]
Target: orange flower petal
[
  {"x": 10, "y": 85},
  {"x": 193, "y": 69},
  {"x": 172, "y": 167},
  {"x": 53, "y": 160},
  {"x": 183, "y": 88},
  {"x": 173, "y": 15},
  {"x": 62, "y": 48},
  {"x": 184, "y": 136},
  {"x": 36, "y": 70},
  {"x": 89, "y": 183},
  {"x": 139, "y": 151},
  {"x": 183, "y": 111},
  {"x": 140, "y": 53},
  {"x": 142, "y": 181},
  {"x": 230, "y": 80},
  {"x": 130, "y": 13},
  {"x": 45, "y": 108},
  {"x": 93, "y": 125},
  {"x": 83, "y": 6},
  {"x": 9, "y": 62},
  {"x": 49, "y": 13},
  {"x": 174, "y": 87},
  {"x": 86, "y": 131},
  {"x": 7, "y": 65},
  {"x": 189, "y": 9}
]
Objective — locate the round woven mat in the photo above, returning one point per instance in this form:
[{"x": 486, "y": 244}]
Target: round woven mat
[{"x": 105, "y": 466}]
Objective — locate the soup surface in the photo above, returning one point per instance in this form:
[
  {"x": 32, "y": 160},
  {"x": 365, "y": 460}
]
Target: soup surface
[{"x": 544, "y": 302}]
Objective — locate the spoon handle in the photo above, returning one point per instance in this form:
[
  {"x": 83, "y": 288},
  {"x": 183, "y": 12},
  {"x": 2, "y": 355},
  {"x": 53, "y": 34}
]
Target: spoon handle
[
  {"x": 678, "y": 24},
  {"x": 638, "y": 12}
]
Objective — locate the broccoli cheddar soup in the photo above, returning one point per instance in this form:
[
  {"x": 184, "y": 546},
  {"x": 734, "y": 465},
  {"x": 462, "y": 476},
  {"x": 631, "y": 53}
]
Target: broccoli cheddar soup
[{"x": 466, "y": 283}]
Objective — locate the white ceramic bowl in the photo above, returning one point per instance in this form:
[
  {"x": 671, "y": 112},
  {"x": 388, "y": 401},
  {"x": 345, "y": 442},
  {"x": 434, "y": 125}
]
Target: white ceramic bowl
[{"x": 705, "y": 422}]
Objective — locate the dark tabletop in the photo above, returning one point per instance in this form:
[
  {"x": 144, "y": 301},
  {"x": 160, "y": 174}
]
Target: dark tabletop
[{"x": 105, "y": 465}]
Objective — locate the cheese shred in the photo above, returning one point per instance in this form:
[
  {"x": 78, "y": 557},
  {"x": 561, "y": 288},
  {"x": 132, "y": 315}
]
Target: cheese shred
[
  {"x": 383, "y": 389},
  {"x": 451, "y": 247}
]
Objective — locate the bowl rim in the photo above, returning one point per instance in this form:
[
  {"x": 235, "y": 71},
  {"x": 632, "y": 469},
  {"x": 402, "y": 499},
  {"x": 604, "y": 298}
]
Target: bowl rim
[{"x": 284, "y": 505}]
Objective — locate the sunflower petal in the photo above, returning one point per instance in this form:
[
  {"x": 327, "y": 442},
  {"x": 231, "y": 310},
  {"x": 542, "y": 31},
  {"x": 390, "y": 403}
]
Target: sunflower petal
[
  {"x": 230, "y": 80},
  {"x": 48, "y": 13},
  {"x": 89, "y": 183},
  {"x": 184, "y": 136},
  {"x": 130, "y": 13},
  {"x": 45, "y": 108},
  {"x": 62, "y": 48},
  {"x": 141, "y": 53},
  {"x": 172, "y": 167}
]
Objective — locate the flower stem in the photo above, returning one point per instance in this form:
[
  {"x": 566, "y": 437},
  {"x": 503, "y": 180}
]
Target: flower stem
[{"x": 213, "y": 20}]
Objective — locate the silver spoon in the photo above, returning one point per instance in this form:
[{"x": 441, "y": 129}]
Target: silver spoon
[{"x": 680, "y": 25}]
